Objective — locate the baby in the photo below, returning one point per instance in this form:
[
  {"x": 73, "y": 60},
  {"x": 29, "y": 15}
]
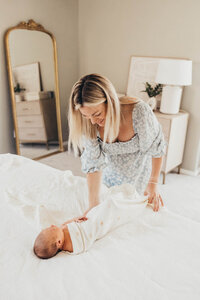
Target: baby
[
  {"x": 54, "y": 239},
  {"x": 77, "y": 235}
]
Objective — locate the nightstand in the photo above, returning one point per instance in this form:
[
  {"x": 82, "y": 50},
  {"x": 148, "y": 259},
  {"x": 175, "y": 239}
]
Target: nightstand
[{"x": 174, "y": 129}]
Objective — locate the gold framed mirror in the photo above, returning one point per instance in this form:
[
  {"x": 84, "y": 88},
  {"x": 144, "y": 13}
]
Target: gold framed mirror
[{"x": 31, "y": 57}]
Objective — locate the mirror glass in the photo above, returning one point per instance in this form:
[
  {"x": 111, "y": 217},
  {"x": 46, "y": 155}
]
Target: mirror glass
[{"x": 33, "y": 76}]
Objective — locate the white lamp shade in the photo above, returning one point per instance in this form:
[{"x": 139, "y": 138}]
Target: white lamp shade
[{"x": 174, "y": 72}]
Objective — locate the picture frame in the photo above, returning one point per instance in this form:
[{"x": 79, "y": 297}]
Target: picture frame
[{"x": 28, "y": 76}]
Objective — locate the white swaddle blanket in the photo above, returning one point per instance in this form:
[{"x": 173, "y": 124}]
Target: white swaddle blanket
[{"x": 120, "y": 206}]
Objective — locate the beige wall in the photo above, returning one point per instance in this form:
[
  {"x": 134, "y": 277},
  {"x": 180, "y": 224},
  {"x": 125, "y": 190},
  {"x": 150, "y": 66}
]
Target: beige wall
[
  {"x": 61, "y": 18},
  {"x": 107, "y": 33},
  {"x": 110, "y": 31}
]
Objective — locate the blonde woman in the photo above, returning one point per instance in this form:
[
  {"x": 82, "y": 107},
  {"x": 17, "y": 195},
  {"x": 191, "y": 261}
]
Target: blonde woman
[{"x": 120, "y": 139}]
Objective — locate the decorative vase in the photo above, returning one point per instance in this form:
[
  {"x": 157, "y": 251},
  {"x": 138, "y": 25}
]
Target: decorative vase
[
  {"x": 19, "y": 97},
  {"x": 158, "y": 100},
  {"x": 152, "y": 103}
]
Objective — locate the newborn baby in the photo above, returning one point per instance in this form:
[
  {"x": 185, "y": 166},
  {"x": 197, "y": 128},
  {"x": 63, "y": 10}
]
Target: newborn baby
[{"x": 121, "y": 205}]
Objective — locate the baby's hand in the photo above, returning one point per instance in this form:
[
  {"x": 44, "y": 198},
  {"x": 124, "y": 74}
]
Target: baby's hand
[{"x": 80, "y": 219}]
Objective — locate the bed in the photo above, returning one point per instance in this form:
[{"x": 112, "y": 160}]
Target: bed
[{"x": 155, "y": 257}]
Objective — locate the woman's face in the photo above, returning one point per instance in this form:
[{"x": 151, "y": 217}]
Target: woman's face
[{"x": 96, "y": 114}]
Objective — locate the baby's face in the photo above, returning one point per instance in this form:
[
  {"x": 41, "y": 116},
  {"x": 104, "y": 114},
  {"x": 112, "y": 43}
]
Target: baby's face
[{"x": 53, "y": 233}]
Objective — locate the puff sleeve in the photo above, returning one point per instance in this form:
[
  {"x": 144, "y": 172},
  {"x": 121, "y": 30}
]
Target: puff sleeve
[
  {"x": 92, "y": 157},
  {"x": 149, "y": 130}
]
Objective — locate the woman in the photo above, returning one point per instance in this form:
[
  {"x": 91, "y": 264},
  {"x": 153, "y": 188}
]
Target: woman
[{"x": 120, "y": 138}]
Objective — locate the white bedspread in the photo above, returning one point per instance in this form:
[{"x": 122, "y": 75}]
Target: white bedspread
[{"x": 155, "y": 257}]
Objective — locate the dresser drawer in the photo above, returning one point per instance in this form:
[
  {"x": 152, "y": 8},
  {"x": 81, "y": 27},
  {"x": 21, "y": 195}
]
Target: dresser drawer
[
  {"x": 31, "y": 121},
  {"x": 28, "y": 108},
  {"x": 32, "y": 134},
  {"x": 165, "y": 123}
]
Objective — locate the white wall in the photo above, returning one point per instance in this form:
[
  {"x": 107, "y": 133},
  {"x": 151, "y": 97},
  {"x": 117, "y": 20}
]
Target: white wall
[
  {"x": 59, "y": 17},
  {"x": 110, "y": 31}
]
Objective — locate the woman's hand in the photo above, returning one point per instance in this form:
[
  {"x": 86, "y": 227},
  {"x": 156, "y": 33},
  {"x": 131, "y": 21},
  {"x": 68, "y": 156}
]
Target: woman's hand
[
  {"x": 77, "y": 219},
  {"x": 153, "y": 195},
  {"x": 84, "y": 214},
  {"x": 80, "y": 219}
]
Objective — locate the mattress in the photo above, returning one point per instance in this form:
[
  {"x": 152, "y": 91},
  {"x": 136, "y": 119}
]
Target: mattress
[{"x": 157, "y": 256}]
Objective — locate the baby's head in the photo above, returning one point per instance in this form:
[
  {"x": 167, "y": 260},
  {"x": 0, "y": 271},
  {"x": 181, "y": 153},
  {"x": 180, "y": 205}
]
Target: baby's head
[{"x": 49, "y": 242}]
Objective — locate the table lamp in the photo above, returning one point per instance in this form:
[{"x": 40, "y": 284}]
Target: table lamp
[{"x": 173, "y": 74}]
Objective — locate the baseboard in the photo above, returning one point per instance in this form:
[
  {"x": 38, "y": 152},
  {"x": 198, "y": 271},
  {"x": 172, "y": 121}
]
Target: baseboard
[
  {"x": 191, "y": 173},
  {"x": 187, "y": 172}
]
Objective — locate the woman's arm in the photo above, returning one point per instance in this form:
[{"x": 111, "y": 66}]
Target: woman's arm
[
  {"x": 94, "y": 183},
  {"x": 156, "y": 168}
]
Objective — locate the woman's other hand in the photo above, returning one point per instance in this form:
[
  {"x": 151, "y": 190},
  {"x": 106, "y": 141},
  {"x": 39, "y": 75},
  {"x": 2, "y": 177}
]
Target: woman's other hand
[{"x": 153, "y": 195}]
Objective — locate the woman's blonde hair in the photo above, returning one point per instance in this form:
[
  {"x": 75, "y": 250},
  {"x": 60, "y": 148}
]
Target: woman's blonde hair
[{"x": 92, "y": 90}]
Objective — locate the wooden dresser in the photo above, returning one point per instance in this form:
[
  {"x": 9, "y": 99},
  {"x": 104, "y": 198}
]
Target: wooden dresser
[
  {"x": 174, "y": 129},
  {"x": 37, "y": 121}
]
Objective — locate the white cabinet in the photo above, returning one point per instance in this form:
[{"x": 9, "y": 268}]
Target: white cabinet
[
  {"x": 37, "y": 121},
  {"x": 174, "y": 129}
]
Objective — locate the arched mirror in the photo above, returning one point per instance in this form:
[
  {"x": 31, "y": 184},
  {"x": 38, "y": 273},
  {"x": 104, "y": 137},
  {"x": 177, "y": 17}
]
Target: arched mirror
[{"x": 33, "y": 77}]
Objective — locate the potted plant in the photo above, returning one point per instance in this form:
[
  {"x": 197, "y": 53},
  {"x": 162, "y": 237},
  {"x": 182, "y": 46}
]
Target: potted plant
[{"x": 152, "y": 92}]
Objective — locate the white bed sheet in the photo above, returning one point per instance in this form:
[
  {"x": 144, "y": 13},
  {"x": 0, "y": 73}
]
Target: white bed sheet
[{"x": 155, "y": 257}]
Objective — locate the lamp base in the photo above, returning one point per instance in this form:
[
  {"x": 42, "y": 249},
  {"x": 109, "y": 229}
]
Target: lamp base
[{"x": 171, "y": 99}]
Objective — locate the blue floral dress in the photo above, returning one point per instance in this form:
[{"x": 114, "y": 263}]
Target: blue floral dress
[{"x": 131, "y": 161}]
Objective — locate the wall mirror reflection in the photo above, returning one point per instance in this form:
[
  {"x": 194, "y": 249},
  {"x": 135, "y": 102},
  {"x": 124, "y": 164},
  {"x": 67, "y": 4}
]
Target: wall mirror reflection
[{"x": 33, "y": 77}]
